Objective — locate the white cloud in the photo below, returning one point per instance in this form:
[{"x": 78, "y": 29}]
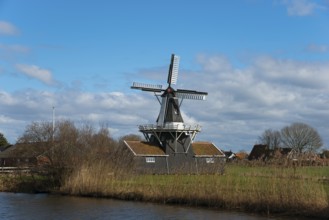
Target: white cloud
[
  {"x": 7, "y": 99},
  {"x": 10, "y": 53},
  {"x": 6, "y": 120},
  {"x": 7, "y": 28},
  {"x": 242, "y": 102},
  {"x": 293, "y": 73},
  {"x": 14, "y": 48},
  {"x": 82, "y": 107},
  {"x": 317, "y": 48},
  {"x": 36, "y": 72},
  {"x": 301, "y": 7},
  {"x": 214, "y": 63},
  {"x": 268, "y": 93}
]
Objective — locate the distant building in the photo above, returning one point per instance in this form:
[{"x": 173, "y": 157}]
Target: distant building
[
  {"x": 23, "y": 155},
  {"x": 263, "y": 152},
  {"x": 230, "y": 155},
  {"x": 241, "y": 156},
  {"x": 259, "y": 151}
]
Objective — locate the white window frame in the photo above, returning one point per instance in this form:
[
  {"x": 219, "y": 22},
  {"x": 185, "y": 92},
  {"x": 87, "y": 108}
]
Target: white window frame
[
  {"x": 150, "y": 159},
  {"x": 210, "y": 160}
]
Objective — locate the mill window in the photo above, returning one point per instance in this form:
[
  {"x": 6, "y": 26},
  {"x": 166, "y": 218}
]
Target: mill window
[
  {"x": 150, "y": 159},
  {"x": 210, "y": 160}
]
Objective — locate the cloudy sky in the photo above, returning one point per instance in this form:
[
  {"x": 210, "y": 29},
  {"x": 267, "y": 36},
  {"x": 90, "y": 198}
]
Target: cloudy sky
[{"x": 265, "y": 64}]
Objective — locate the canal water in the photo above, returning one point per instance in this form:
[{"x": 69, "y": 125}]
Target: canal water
[{"x": 16, "y": 206}]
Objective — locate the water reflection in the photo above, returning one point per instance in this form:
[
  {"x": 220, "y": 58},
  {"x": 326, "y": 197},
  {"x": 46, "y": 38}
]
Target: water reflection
[{"x": 44, "y": 206}]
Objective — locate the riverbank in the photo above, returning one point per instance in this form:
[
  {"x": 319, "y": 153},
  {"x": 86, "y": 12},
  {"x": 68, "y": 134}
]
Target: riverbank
[
  {"x": 270, "y": 190},
  {"x": 26, "y": 183},
  {"x": 294, "y": 191}
]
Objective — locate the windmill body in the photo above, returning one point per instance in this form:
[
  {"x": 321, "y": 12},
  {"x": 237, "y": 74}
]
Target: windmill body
[{"x": 170, "y": 133}]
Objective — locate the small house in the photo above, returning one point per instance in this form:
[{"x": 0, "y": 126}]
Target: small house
[
  {"x": 150, "y": 158},
  {"x": 259, "y": 151},
  {"x": 230, "y": 155},
  {"x": 23, "y": 155}
]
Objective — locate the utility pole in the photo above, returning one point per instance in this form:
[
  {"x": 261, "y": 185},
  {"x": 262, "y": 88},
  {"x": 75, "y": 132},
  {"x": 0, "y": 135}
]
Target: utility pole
[
  {"x": 53, "y": 137},
  {"x": 53, "y": 123}
]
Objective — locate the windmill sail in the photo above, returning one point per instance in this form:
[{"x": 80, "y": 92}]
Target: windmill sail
[
  {"x": 170, "y": 114},
  {"x": 191, "y": 94},
  {"x": 147, "y": 87},
  {"x": 173, "y": 70}
]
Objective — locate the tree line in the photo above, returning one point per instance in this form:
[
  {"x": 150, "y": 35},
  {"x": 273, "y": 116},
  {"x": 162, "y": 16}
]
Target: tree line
[
  {"x": 66, "y": 143},
  {"x": 298, "y": 136},
  {"x": 68, "y": 146}
]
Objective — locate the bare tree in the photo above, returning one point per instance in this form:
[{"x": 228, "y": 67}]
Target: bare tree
[
  {"x": 271, "y": 138},
  {"x": 70, "y": 148},
  {"x": 301, "y": 137},
  {"x": 37, "y": 132},
  {"x": 67, "y": 145}
]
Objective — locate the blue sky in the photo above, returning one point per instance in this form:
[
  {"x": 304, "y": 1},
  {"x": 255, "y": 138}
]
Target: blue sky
[{"x": 265, "y": 64}]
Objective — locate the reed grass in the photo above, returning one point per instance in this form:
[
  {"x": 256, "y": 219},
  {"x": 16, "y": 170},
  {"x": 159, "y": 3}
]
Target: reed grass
[
  {"x": 269, "y": 189},
  {"x": 25, "y": 183}
]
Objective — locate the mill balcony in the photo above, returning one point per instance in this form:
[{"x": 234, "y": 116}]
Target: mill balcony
[{"x": 169, "y": 127}]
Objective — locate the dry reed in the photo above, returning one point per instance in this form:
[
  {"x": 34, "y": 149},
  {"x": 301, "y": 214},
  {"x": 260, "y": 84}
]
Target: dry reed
[{"x": 256, "y": 189}]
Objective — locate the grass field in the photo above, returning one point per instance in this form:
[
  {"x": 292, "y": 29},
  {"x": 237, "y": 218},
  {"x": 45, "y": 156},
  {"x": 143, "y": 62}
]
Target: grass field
[{"x": 263, "y": 189}]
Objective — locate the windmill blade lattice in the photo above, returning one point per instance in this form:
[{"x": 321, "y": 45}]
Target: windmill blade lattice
[
  {"x": 147, "y": 87},
  {"x": 173, "y": 70},
  {"x": 191, "y": 94}
]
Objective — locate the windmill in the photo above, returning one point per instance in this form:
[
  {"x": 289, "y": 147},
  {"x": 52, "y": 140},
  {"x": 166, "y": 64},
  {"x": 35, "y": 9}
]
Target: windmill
[{"x": 170, "y": 132}]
